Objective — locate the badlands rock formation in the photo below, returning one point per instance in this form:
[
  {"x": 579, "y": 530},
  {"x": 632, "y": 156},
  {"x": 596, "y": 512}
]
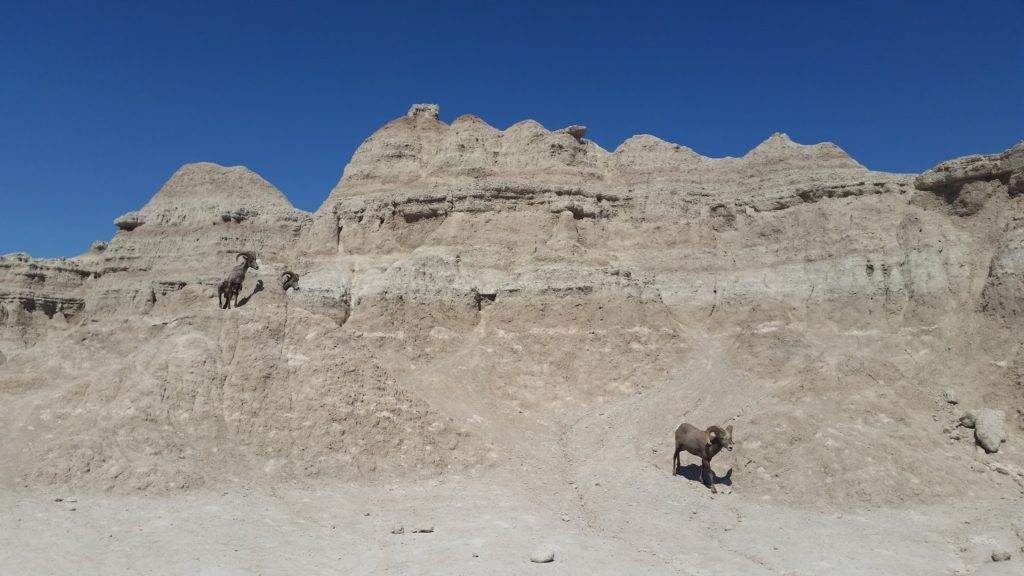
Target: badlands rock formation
[{"x": 476, "y": 300}]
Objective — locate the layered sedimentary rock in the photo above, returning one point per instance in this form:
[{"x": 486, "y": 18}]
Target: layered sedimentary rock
[{"x": 474, "y": 297}]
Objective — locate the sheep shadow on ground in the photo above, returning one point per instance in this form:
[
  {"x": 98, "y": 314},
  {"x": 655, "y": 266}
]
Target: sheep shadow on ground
[
  {"x": 245, "y": 300},
  {"x": 692, "y": 472}
]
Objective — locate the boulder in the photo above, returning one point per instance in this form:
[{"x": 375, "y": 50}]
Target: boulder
[
  {"x": 432, "y": 111},
  {"x": 129, "y": 221},
  {"x": 576, "y": 131},
  {"x": 989, "y": 427}
]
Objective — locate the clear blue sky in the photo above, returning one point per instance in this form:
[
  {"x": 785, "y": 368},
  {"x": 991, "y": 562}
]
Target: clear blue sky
[{"x": 101, "y": 101}]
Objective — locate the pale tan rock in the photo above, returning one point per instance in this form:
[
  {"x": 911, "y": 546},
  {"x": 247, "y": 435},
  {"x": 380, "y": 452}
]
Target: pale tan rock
[
  {"x": 472, "y": 296},
  {"x": 543, "y": 555},
  {"x": 975, "y": 167}
]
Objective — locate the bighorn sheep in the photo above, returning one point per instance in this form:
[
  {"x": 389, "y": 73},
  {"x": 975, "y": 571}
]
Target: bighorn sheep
[
  {"x": 289, "y": 279},
  {"x": 232, "y": 285},
  {"x": 703, "y": 443}
]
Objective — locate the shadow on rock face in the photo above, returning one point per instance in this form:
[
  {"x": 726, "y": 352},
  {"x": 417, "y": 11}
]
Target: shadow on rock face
[
  {"x": 258, "y": 288},
  {"x": 692, "y": 472}
]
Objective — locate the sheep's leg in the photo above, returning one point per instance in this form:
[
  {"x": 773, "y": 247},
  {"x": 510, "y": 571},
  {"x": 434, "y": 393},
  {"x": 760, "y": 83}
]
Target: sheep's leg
[
  {"x": 705, "y": 467},
  {"x": 675, "y": 462}
]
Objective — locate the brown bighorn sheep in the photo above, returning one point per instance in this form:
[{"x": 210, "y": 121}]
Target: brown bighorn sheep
[
  {"x": 289, "y": 279},
  {"x": 232, "y": 285},
  {"x": 703, "y": 443}
]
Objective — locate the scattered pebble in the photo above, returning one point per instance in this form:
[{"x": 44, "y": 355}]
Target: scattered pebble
[
  {"x": 566, "y": 518},
  {"x": 543, "y": 555},
  {"x": 424, "y": 529},
  {"x": 398, "y": 529},
  {"x": 1000, "y": 555},
  {"x": 950, "y": 395}
]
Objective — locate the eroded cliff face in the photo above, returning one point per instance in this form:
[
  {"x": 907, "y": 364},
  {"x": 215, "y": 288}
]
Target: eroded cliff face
[{"x": 471, "y": 297}]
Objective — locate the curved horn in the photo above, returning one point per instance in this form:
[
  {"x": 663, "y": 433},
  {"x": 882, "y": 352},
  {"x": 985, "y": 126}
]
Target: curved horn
[
  {"x": 716, "y": 430},
  {"x": 287, "y": 274}
]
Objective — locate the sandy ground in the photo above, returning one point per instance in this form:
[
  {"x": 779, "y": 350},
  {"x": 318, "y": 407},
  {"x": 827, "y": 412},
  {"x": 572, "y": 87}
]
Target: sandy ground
[{"x": 483, "y": 526}]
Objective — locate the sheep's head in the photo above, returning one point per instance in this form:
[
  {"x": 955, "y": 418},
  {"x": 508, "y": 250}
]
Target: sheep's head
[
  {"x": 250, "y": 259},
  {"x": 721, "y": 437},
  {"x": 289, "y": 279}
]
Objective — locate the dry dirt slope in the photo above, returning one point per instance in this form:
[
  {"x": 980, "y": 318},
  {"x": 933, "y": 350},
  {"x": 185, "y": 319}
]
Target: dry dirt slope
[{"x": 476, "y": 303}]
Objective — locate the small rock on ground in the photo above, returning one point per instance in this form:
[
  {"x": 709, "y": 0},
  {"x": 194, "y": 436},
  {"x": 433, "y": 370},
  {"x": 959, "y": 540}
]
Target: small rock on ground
[
  {"x": 543, "y": 555},
  {"x": 398, "y": 529},
  {"x": 424, "y": 529},
  {"x": 1000, "y": 556}
]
